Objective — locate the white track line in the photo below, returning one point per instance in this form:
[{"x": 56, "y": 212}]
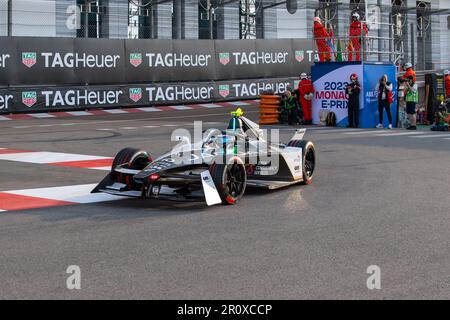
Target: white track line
[
  {"x": 181, "y": 107},
  {"x": 76, "y": 193},
  {"x": 365, "y": 132},
  {"x": 394, "y": 134},
  {"x": 115, "y": 111},
  {"x": 149, "y": 109},
  {"x": 79, "y": 113},
  {"x": 47, "y": 157},
  {"x": 432, "y": 136},
  {"x": 2, "y": 118},
  {"x": 41, "y": 115}
]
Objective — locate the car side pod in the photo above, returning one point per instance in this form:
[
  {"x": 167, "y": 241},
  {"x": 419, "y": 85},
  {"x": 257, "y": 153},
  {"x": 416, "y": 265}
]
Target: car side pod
[{"x": 212, "y": 196}]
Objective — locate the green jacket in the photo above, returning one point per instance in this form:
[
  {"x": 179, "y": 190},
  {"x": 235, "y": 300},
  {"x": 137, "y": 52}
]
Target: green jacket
[
  {"x": 412, "y": 95},
  {"x": 290, "y": 104}
]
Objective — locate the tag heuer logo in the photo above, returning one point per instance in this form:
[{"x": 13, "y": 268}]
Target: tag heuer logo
[
  {"x": 136, "y": 59},
  {"x": 224, "y": 58},
  {"x": 29, "y": 98},
  {"x": 299, "y": 55},
  {"x": 29, "y": 59},
  {"x": 135, "y": 94},
  {"x": 224, "y": 90}
]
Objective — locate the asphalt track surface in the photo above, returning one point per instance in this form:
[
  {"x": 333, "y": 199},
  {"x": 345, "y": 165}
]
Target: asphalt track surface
[{"x": 378, "y": 198}]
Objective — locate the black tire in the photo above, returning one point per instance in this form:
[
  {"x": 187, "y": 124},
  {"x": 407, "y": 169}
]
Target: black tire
[
  {"x": 230, "y": 180},
  {"x": 134, "y": 159},
  {"x": 309, "y": 158}
]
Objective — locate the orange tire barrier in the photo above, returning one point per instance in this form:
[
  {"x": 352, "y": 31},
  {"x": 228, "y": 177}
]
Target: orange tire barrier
[{"x": 268, "y": 109}]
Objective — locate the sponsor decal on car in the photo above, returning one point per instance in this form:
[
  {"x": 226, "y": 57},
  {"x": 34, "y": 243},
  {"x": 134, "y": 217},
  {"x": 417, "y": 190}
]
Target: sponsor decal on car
[
  {"x": 135, "y": 94},
  {"x": 29, "y": 59},
  {"x": 136, "y": 59},
  {"x": 29, "y": 98}
]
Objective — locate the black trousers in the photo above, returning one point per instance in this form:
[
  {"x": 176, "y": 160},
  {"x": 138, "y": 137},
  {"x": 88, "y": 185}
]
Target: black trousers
[
  {"x": 384, "y": 105},
  {"x": 353, "y": 114}
]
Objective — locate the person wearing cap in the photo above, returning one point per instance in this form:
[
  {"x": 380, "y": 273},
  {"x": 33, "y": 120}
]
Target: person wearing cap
[
  {"x": 357, "y": 29},
  {"x": 384, "y": 88},
  {"x": 409, "y": 72},
  {"x": 305, "y": 93},
  {"x": 447, "y": 84},
  {"x": 353, "y": 90},
  {"x": 322, "y": 39}
]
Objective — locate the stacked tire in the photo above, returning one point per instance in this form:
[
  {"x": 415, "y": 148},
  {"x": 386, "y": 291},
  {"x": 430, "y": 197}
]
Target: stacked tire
[{"x": 268, "y": 109}]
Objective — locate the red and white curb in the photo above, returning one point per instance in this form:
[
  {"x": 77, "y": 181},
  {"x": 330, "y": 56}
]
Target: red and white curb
[
  {"x": 67, "y": 114},
  {"x": 58, "y": 159},
  {"x": 26, "y": 199}
]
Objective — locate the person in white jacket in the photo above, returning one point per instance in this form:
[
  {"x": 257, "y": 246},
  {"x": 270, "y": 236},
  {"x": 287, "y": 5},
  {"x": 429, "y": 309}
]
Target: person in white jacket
[{"x": 384, "y": 88}]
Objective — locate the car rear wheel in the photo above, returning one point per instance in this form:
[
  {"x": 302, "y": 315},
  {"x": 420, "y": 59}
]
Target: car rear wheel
[
  {"x": 309, "y": 158},
  {"x": 129, "y": 158},
  {"x": 230, "y": 180}
]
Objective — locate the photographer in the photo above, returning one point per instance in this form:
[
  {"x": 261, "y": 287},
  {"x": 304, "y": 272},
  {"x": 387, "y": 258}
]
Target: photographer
[
  {"x": 290, "y": 109},
  {"x": 385, "y": 98}
]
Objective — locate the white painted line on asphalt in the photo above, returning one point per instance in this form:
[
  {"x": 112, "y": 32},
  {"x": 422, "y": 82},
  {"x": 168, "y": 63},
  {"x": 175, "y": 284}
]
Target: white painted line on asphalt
[
  {"x": 240, "y": 103},
  {"x": 21, "y": 127},
  {"x": 151, "y": 126},
  {"x": 41, "y": 115},
  {"x": 149, "y": 109},
  {"x": 2, "y": 118},
  {"x": 365, "y": 132},
  {"x": 101, "y": 168},
  {"x": 47, "y": 157},
  {"x": 170, "y": 125},
  {"x": 79, "y": 113},
  {"x": 394, "y": 134},
  {"x": 114, "y": 111},
  {"x": 66, "y": 124},
  {"x": 106, "y": 129},
  {"x": 211, "y": 105},
  {"x": 2, "y": 210},
  {"x": 46, "y": 125},
  {"x": 77, "y": 194},
  {"x": 181, "y": 107},
  {"x": 431, "y": 136},
  {"x": 128, "y": 128}
]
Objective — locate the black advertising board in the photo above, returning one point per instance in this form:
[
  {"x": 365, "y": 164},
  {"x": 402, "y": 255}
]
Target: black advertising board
[
  {"x": 140, "y": 53},
  {"x": 63, "y": 61},
  {"x": 40, "y": 62},
  {"x": 49, "y": 74},
  {"x": 49, "y": 99},
  {"x": 99, "y": 61}
]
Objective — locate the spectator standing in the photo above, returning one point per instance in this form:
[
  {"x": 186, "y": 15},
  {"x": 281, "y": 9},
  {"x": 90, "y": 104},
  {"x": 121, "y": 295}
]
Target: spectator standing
[
  {"x": 385, "y": 98},
  {"x": 353, "y": 90}
]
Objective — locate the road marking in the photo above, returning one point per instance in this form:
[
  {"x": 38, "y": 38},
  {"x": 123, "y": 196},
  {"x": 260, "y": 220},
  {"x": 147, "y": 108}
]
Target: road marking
[
  {"x": 181, "y": 107},
  {"x": 149, "y": 109},
  {"x": 105, "y": 129},
  {"x": 150, "y": 126},
  {"x": 143, "y": 119},
  {"x": 365, "y": 132},
  {"x": 51, "y": 197},
  {"x": 128, "y": 128},
  {"x": 79, "y": 113},
  {"x": 41, "y": 115},
  {"x": 115, "y": 111},
  {"x": 432, "y": 136},
  {"x": 394, "y": 134},
  {"x": 211, "y": 105}
]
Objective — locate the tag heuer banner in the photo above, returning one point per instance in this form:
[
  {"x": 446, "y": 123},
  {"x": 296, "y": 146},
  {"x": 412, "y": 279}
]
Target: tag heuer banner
[
  {"x": 50, "y": 98},
  {"x": 63, "y": 61}
]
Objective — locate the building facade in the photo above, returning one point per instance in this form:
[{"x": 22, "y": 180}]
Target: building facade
[{"x": 418, "y": 31}]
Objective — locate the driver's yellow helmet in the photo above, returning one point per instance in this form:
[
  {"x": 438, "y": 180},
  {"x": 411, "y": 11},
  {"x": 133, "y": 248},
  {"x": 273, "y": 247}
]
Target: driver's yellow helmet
[{"x": 238, "y": 113}]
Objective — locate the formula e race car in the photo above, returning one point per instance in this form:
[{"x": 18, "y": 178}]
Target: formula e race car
[{"x": 216, "y": 168}]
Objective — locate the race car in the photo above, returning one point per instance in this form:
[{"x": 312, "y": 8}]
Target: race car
[{"x": 217, "y": 169}]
